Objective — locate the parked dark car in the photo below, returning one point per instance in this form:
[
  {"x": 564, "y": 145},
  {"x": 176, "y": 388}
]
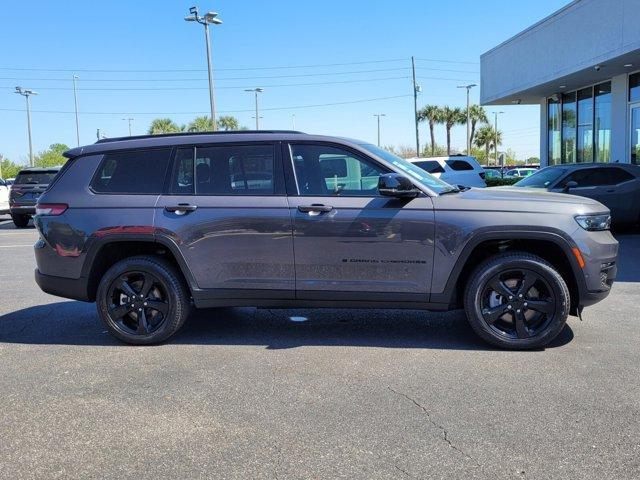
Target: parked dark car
[
  {"x": 149, "y": 227},
  {"x": 615, "y": 185},
  {"x": 25, "y": 191}
]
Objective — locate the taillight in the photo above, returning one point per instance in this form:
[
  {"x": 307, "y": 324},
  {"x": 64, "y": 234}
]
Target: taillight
[{"x": 51, "y": 208}]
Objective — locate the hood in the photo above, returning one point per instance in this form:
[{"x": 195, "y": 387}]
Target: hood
[{"x": 517, "y": 199}]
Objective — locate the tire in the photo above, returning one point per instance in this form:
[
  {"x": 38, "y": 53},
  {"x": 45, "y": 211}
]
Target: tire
[
  {"x": 504, "y": 319},
  {"x": 20, "y": 220},
  {"x": 143, "y": 300}
]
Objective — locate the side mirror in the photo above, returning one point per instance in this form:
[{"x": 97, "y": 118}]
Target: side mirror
[
  {"x": 569, "y": 185},
  {"x": 396, "y": 185}
]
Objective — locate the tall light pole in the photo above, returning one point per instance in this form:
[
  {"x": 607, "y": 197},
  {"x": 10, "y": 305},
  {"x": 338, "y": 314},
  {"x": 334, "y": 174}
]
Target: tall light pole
[
  {"x": 416, "y": 90},
  {"x": 256, "y": 91},
  {"x": 293, "y": 121},
  {"x": 129, "y": 120},
  {"x": 495, "y": 133},
  {"x": 26, "y": 93},
  {"x": 468, "y": 87},
  {"x": 378, "y": 115},
  {"x": 75, "y": 102},
  {"x": 208, "y": 18}
]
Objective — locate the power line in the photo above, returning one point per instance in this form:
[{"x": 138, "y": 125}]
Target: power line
[
  {"x": 294, "y": 107},
  {"x": 446, "y": 61}
]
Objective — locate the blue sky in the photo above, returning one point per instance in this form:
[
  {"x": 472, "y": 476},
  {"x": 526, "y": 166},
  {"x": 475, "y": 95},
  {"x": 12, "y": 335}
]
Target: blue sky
[{"x": 153, "y": 65}]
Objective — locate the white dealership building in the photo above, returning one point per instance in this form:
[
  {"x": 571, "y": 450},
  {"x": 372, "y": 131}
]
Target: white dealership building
[{"x": 582, "y": 66}]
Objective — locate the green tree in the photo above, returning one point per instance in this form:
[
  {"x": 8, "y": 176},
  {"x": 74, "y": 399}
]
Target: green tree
[
  {"x": 486, "y": 138},
  {"x": 8, "y": 169},
  {"x": 227, "y": 122},
  {"x": 164, "y": 125},
  {"x": 450, "y": 118},
  {"x": 52, "y": 156},
  {"x": 477, "y": 114},
  {"x": 434, "y": 151},
  {"x": 432, "y": 114},
  {"x": 200, "y": 124}
]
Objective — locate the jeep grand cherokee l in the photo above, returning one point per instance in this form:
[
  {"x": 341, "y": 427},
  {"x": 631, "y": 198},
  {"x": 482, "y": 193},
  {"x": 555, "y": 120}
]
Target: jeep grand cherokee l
[
  {"x": 25, "y": 191},
  {"x": 149, "y": 227}
]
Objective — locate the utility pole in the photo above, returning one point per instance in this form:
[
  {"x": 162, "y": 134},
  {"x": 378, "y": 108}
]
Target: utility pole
[
  {"x": 75, "y": 101},
  {"x": 379, "y": 115},
  {"x": 416, "y": 90},
  {"x": 293, "y": 121},
  {"x": 208, "y": 18},
  {"x": 495, "y": 133},
  {"x": 129, "y": 120},
  {"x": 468, "y": 87},
  {"x": 26, "y": 93},
  {"x": 256, "y": 91}
]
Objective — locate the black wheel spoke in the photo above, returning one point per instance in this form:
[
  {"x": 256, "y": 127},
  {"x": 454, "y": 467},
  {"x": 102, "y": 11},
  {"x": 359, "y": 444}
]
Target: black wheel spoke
[
  {"x": 492, "y": 314},
  {"x": 119, "y": 311},
  {"x": 162, "y": 307},
  {"x": 146, "y": 285},
  {"x": 124, "y": 286},
  {"x": 521, "y": 328},
  {"x": 499, "y": 287},
  {"x": 527, "y": 282},
  {"x": 143, "y": 326},
  {"x": 542, "y": 306}
]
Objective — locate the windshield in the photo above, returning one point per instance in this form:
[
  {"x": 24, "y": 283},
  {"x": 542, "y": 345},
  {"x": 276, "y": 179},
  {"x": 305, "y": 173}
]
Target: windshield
[
  {"x": 416, "y": 173},
  {"x": 35, "y": 178},
  {"x": 542, "y": 178}
]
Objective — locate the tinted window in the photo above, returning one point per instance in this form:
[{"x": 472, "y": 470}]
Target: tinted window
[
  {"x": 430, "y": 166},
  {"x": 224, "y": 170},
  {"x": 459, "y": 165},
  {"x": 596, "y": 177},
  {"x": 543, "y": 178},
  {"x": 327, "y": 170},
  {"x": 35, "y": 178},
  {"x": 141, "y": 171}
]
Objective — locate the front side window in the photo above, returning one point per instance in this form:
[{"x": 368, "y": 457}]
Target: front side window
[
  {"x": 327, "y": 170},
  {"x": 224, "y": 170},
  {"x": 135, "y": 172}
]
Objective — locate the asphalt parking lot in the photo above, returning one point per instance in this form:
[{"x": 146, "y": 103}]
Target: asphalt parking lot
[{"x": 245, "y": 393}]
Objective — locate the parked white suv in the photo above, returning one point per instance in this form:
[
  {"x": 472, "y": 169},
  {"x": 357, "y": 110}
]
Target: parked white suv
[
  {"x": 4, "y": 197},
  {"x": 455, "y": 170}
]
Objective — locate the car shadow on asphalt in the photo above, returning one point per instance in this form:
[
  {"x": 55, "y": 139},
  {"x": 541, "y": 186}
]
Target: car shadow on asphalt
[
  {"x": 76, "y": 323},
  {"x": 628, "y": 260}
]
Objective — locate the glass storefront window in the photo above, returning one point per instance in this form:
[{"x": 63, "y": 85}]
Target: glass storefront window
[
  {"x": 553, "y": 129},
  {"x": 584, "y": 151},
  {"x": 635, "y": 136},
  {"x": 602, "y": 122},
  {"x": 569, "y": 114},
  {"x": 634, "y": 87}
]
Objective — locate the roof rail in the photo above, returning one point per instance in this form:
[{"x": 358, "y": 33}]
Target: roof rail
[{"x": 186, "y": 134}]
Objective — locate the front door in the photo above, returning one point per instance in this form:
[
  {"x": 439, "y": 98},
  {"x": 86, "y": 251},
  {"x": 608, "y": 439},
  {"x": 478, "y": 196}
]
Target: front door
[
  {"x": 349, "y": 241},
  {"x": 227, "y": 211}
]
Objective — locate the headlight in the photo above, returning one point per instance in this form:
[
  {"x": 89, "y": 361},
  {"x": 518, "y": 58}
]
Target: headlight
[{"x": 594, "y": 222}]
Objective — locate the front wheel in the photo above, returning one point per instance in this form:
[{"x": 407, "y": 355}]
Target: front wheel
[
  {"x": 143, "y": 300},
  {"x": 516, "y": 300}
]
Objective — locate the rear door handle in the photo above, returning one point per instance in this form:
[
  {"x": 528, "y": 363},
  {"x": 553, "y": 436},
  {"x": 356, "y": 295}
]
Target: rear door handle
[
  {"x": 181, "y": 208},
  {"x": 315, "y": 208}
]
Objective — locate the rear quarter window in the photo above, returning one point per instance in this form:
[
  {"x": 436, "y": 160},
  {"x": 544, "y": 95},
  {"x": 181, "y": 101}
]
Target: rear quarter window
[
  {"x": 459, "y": 165},
  {"x": 135, "y": 172}
]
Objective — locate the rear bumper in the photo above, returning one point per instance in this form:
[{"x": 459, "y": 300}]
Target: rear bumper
[
  {"x": 23, "y": 209},
  {"x": 74, "y": 288}
]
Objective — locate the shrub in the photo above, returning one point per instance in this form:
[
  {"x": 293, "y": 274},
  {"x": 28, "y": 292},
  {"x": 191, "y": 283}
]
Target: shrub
[{"x": 497, "y": 182}]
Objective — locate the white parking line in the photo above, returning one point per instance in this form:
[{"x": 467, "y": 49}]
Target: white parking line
[{"x": 15, "y": 246}]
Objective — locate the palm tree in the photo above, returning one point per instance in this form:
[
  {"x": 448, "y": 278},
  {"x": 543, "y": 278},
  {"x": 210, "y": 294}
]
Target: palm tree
[
  {"x": 200, "y": 124},
  {"x": 486, "y": 137},
  {"x": 477, "y": 114},
  {"x": 163, "y": 125},
  {"x": 433, "y": 115},
  {"x": 227, "y": 122},
  {"x": 451, "y": 117}
]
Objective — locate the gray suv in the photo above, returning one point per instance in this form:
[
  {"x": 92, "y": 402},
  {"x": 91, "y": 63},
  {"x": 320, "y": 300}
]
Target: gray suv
[
  {"x": 149, "y": 227},
  {"x": 26, "y": 190}
]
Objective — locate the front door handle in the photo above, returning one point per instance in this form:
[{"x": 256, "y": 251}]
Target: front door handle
[
  {"x": 181, "y": 208},
  {"x": 314, "y": 208}
]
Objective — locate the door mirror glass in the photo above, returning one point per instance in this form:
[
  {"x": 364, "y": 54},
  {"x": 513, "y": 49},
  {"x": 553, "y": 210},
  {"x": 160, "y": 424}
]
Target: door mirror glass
[
  {"x": 396, "y": 185},
  {"x": 569, "y": 185}
]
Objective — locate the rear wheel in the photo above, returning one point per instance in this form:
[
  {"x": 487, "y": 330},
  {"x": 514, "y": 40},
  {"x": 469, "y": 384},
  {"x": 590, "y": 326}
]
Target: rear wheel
[
  {"x": 517, "y": 301},
  {"x": 20, "y": 220},
  {"x": 142, "y": 300}
]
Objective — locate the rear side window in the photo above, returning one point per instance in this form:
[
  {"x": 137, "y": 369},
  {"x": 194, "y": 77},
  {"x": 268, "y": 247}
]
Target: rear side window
[
  {"x": 224, "y": 170},
  {"x": 459, "y": 165},
  {"x": 35, "y": 178},
  {"x": 141, "y": 171},
  {"x": 430, "y": 166}
]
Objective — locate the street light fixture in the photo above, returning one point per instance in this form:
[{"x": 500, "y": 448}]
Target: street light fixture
[
  {"x": 129, "y": 120},
  {"x": 26, "y": 93},
  {"x": 495, "y": 133},
  {"x": 208, "y": 18},
  {"x": 256, "y": 91},
  {"x": 378, "y": 115},
  {"x": 468, "y": 87}
]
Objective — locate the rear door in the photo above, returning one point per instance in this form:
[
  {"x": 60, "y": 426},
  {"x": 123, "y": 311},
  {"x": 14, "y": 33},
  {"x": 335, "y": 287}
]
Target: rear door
[
  {"x": 227, "y": 211},
  {"x": 350, "y": 242}
]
